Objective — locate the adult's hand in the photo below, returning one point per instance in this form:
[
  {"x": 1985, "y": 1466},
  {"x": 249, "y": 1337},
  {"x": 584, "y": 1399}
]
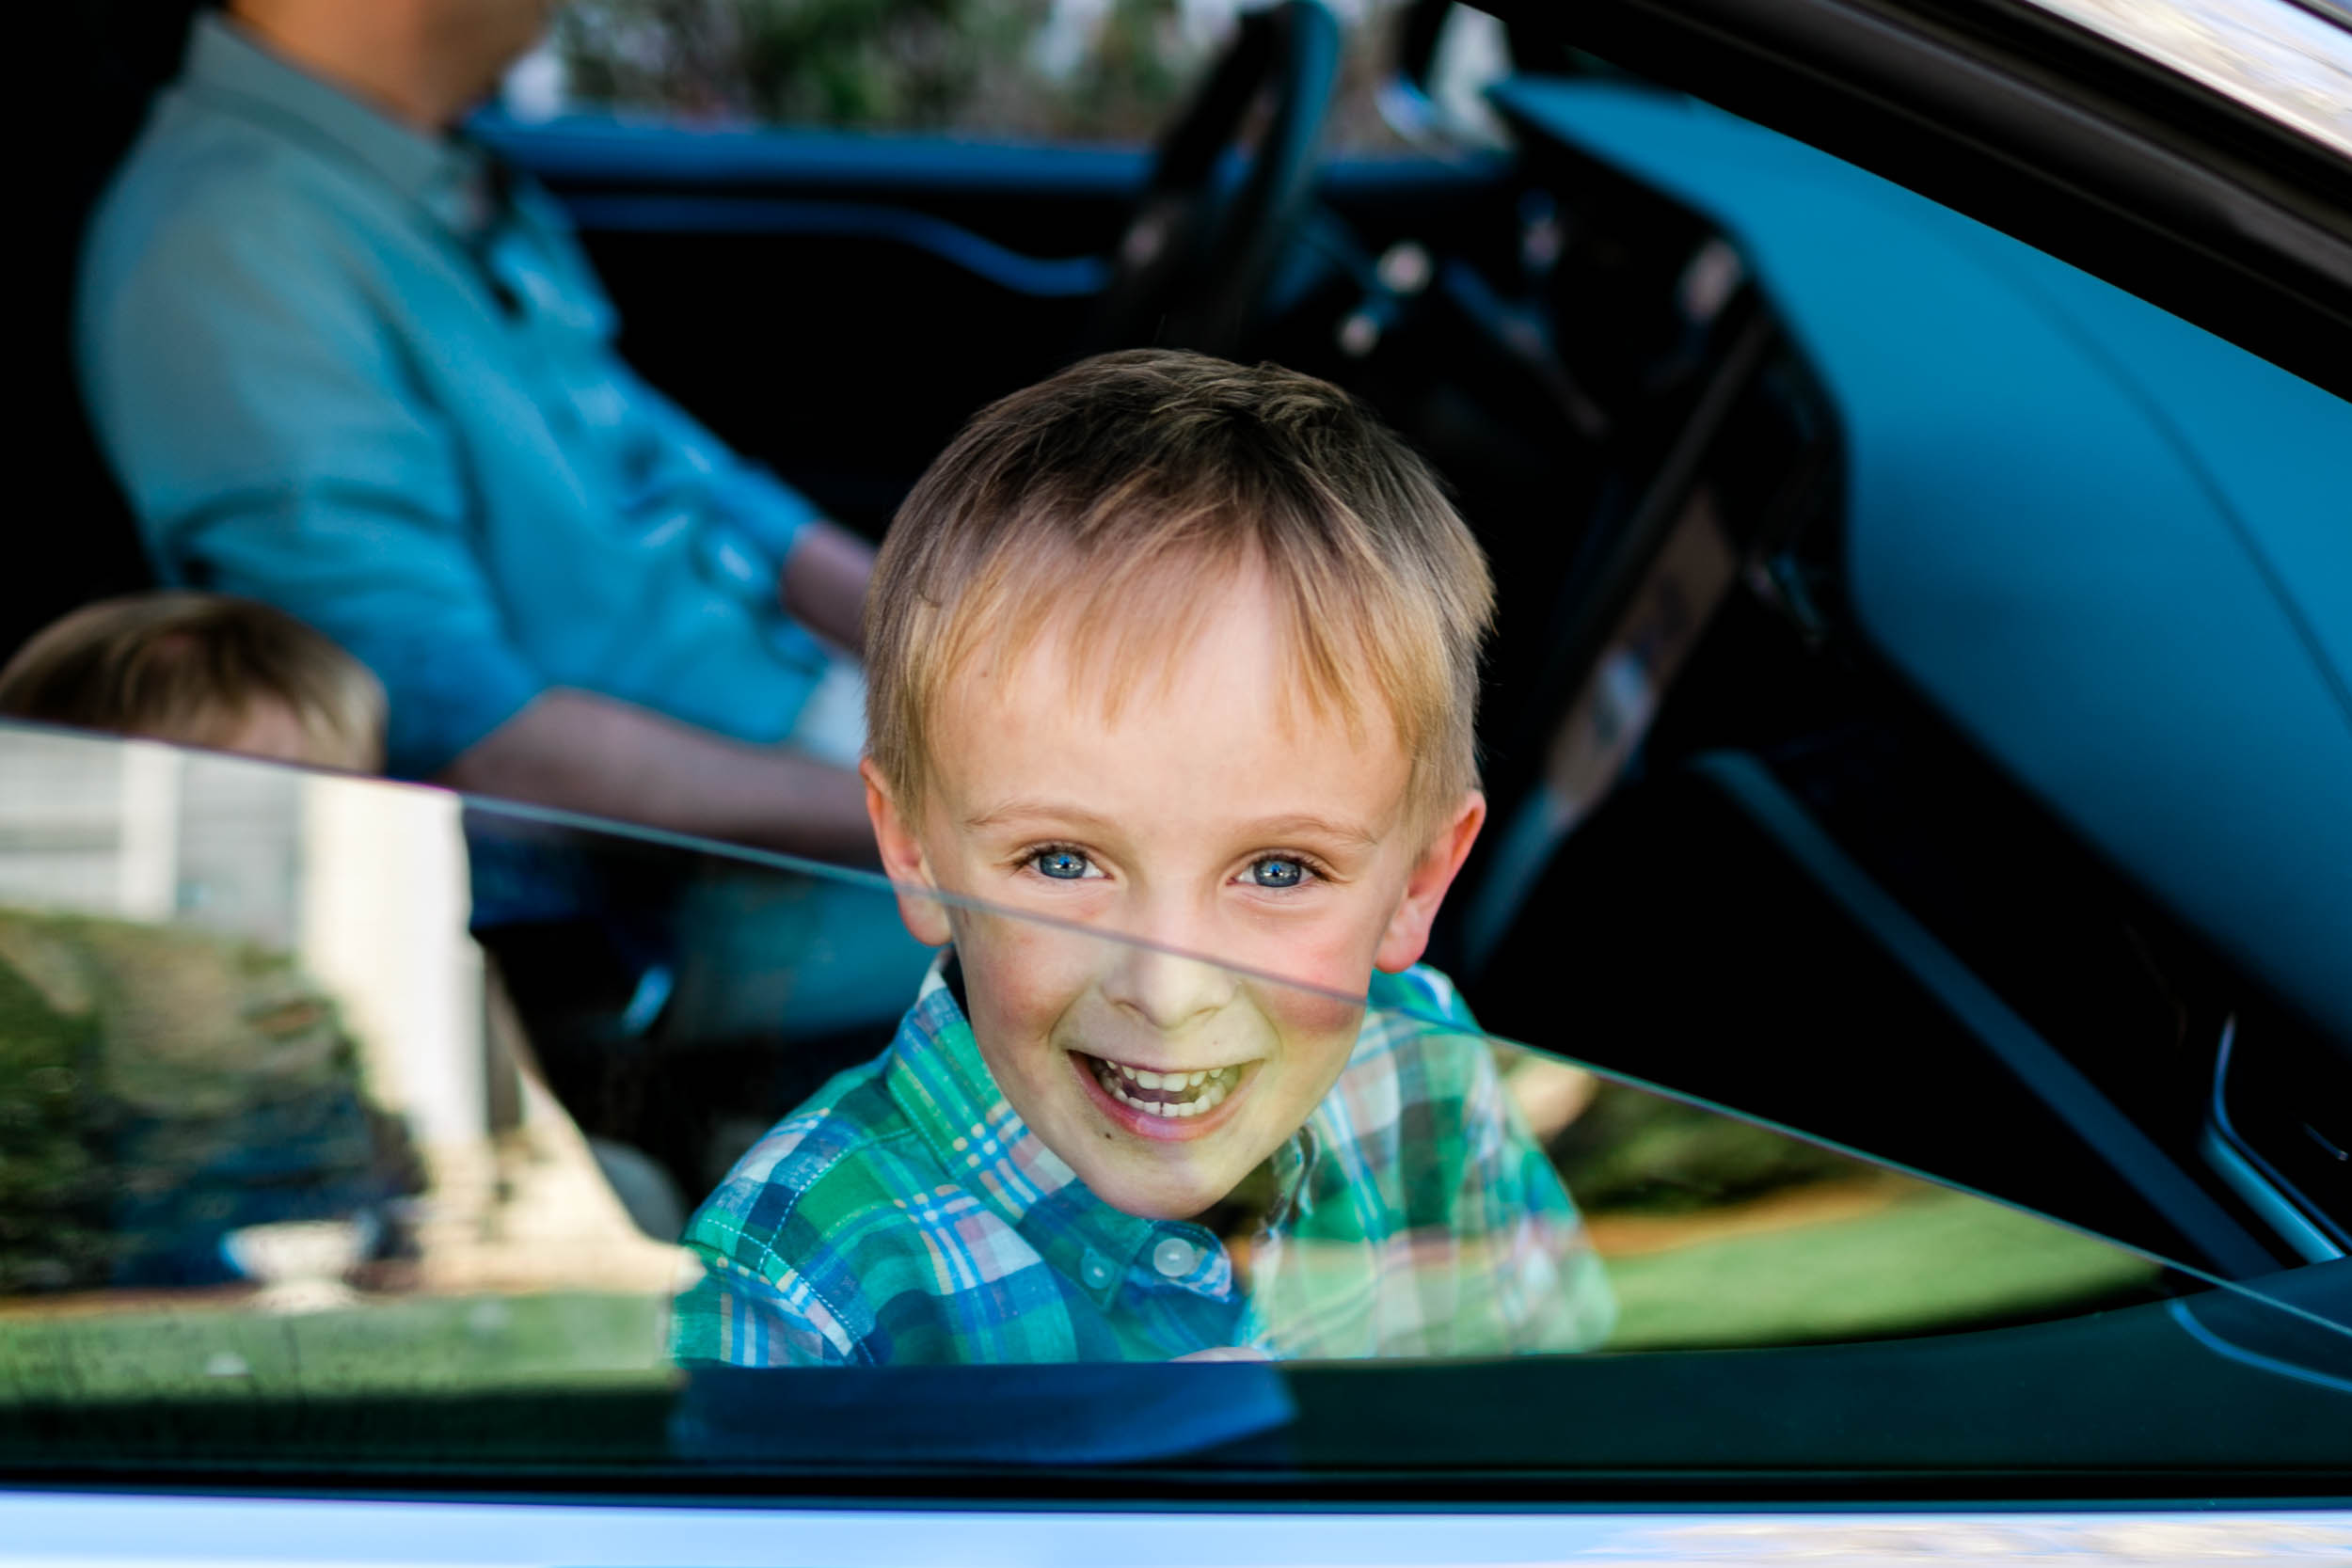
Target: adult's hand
[
  {"x": 824, "y": 581},
  {"x": 580, "y": 751}
]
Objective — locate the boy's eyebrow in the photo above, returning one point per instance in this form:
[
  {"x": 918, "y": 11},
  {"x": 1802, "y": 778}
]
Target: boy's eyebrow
[
  {"x": 1311, "y": 826},
  {"x": 1024, "y": 811},
  {"x": 1270, "y": 828}
]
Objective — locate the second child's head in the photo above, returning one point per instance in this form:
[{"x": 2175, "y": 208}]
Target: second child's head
[
  {"x": 1186, "y": 652},
  {"x": 202, "y": 670}
]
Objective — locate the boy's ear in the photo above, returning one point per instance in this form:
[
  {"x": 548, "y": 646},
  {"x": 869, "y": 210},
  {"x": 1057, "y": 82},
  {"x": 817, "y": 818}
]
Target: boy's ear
[
  {"x": 902, "y": 861},
  {"x": 1407, "y": 936}
]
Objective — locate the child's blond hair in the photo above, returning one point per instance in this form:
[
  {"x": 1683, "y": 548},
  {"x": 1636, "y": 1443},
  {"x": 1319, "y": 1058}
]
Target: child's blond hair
[
  {"x": 1117, "y": 499},
  {"x": 190, "y": 667}
]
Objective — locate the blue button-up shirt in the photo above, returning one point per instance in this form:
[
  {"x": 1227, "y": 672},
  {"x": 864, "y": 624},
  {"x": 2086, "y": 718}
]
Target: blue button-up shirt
[{"x": 355, "y": 372}]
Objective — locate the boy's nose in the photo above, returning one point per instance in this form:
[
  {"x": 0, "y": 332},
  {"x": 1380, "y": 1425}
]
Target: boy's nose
[{"x": 1164, "y": 990}]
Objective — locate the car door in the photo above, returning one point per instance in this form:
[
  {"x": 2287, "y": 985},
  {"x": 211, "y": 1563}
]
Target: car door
[
  {"x": 2149, "y": 1402},
  {"x": 299, "y": 1219}
]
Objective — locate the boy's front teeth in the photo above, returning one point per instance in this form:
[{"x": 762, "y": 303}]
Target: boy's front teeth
[{"x": 1165, "y": 1094}]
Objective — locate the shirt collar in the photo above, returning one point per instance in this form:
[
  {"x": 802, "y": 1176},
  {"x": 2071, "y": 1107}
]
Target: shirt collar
[
  {"x": 939, "y": 1079},
  {"x": 448, "y": 176}
]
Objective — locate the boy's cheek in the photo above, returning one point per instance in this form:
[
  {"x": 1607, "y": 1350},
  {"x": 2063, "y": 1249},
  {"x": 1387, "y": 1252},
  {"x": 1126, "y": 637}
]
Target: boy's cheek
[
  {"x": 1022, "y": 972},
  {"x": 1332, "y": 957},
  {"x": 1312, "y": 1022}
]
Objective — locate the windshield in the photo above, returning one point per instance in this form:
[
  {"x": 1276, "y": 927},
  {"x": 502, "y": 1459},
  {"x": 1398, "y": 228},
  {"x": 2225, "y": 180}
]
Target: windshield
[
  {"x": 2290, "y": 61},
  {"x": 347, "y": 1123}
]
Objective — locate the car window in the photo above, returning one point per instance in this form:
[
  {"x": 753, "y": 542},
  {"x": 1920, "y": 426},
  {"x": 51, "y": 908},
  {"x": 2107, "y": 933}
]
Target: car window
[
  {"x": 1730, "y": 760},
  {"x": 1076, "y": 71},
  {"x": 2292, "y": 62},
  {"x": 347, "y": 1123}
]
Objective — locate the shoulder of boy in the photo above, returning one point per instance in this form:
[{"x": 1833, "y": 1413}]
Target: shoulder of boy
[{"x": 1424, "y": 992}]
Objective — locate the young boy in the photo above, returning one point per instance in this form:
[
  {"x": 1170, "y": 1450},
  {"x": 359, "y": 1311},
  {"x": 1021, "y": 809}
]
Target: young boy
[
  {"x": 1185, "y": 651},
  {"x": 202, "y": 670}
]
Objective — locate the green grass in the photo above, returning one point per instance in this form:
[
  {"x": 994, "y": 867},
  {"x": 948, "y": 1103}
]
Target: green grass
[
  {"x": 412, "y": 1345},
  {"x": 1933, "y": 1261},
  {"x": 1936, "y": 1260}
]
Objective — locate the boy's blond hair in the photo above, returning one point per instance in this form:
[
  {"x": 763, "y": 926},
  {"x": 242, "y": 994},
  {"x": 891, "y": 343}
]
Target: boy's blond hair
[
  {"x": 1117, "y": 500},
  {"x": 190, "y": 667}
]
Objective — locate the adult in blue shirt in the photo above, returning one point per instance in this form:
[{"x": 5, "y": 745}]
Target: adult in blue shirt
[{"x": 342, "y": 363}]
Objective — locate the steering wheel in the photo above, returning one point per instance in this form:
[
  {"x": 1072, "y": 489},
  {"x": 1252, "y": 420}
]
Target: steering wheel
[{"x": 1195, "y": 256}]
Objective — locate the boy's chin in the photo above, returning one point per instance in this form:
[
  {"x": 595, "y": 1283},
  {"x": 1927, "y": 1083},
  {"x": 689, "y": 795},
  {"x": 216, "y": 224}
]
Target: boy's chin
[{"x": 1158, "y": 1198}]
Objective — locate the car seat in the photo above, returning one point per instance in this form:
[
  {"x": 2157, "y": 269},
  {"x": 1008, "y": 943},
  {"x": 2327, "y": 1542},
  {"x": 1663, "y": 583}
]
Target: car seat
[{"x": 79, "y": 537}]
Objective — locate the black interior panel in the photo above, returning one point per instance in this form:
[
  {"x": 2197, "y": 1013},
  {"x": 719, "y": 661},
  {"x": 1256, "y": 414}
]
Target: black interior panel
[{"x": 1672, "y": 940}]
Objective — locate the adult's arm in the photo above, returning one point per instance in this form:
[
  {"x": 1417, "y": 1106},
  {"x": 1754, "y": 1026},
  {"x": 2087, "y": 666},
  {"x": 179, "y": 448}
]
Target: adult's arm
[
  {"x": 265, "y": 425},
  {"x": 824, "y": 582},
  {"x": 821, "y": 568},
  {"x": 582, "y": 752}
]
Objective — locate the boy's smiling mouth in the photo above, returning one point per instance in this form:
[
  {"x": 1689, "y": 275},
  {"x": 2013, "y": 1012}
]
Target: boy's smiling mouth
[{"x": 1158, "y": 1104}]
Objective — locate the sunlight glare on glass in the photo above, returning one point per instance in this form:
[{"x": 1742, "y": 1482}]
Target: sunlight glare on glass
[{"x": 2272, "y": 55}]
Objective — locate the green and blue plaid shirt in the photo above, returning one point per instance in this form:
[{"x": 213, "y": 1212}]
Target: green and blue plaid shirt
[{"x": 906, "y": 1214}]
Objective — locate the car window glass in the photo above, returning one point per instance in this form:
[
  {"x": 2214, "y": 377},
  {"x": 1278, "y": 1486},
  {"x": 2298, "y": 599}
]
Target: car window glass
[
  {"x": 1072, "y": 71},
  {"x": 2289, "y": 61},
  {"x": 324, "y": 1098}
]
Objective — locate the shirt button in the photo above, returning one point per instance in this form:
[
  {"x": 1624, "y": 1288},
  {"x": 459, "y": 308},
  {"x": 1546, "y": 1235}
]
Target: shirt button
[
  {"x": 1095, "y": 1270},
  {"x": 1175, "y": 1256}
]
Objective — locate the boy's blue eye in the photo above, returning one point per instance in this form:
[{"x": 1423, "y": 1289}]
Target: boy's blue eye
[
  {"x": 1064, "y": 865},
  {"x": 1278, "y": 872}
]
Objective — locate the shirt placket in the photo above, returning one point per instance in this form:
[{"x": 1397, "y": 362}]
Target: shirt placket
[{"x": 1175, "y": 1286}]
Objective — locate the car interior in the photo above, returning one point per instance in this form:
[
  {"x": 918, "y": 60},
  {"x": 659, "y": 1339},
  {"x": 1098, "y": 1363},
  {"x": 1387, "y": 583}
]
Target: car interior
[
  {"x": 1769, "y": 847},
  {"x": 1593, "y": 369},
  {"x": 1651, "y": 458}
]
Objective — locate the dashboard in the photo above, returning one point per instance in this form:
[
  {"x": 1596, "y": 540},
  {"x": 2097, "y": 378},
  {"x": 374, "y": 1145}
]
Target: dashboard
[{"x": 1942, "y": 735}]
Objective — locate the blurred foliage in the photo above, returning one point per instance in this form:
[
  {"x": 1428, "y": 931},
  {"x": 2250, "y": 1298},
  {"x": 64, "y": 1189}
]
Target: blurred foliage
[
  {"x": 160, "y": 1086},
  {"x": 52, "y": 1187},
  {"x": 1054, "y": 70},
  {"x": 915, "y": 64}
]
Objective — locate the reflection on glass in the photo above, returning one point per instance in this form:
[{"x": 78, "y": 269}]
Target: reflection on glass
[
  {"x": 1079, "y": 1148},
  {"x": 1718, "y": 1232},
  {"x": 322, "y": 1089},
  {"x": 2291, "y": 62},
  {"x": 260, "y": 1129}
]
